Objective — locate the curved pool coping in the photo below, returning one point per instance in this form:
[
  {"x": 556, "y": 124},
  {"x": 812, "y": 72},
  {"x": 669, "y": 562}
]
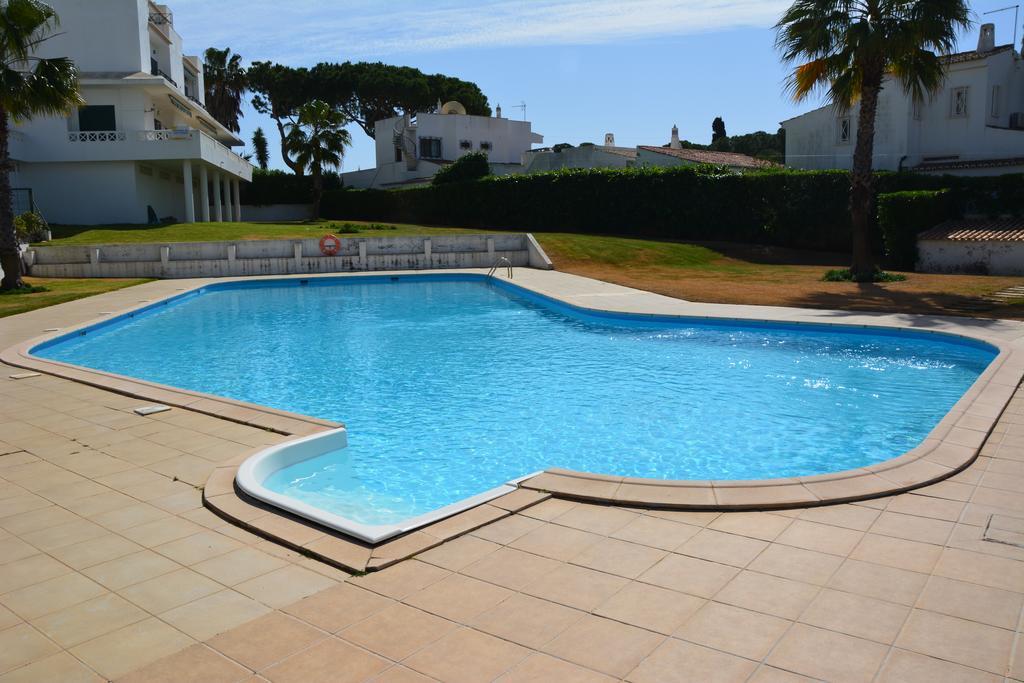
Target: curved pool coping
[{"x": 951, "y": 446}]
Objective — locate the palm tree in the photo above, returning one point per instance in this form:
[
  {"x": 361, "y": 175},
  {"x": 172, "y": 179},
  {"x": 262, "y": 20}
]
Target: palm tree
[
  {"x": 29, "y": 86},
  {"x": 259, "y": 148},
  {"x": 225, "y": 82},
  {"x": 850, "y": 49},
  {"x": 318, "y": 140}
]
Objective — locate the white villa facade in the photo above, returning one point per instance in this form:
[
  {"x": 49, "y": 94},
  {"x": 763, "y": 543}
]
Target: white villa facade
[
  {"x": 973, "y": 126},
  {"x": 143, "y": 145},
  {"x": 411, "y": 150}
]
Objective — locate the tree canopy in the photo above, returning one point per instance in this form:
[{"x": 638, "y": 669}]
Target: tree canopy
[{"x": 225, "y": 86}]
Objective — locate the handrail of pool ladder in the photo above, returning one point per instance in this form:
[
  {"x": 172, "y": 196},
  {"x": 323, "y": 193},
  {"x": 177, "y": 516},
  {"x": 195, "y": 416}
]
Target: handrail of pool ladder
[{"x": 501, "y": 261}]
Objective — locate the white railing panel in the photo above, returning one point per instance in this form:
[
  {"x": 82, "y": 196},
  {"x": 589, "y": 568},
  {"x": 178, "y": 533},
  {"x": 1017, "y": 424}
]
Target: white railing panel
[{"x": 96, "y": 136}]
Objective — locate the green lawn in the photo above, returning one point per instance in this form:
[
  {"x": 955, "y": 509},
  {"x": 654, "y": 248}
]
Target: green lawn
[{"x": 57, "y": 292}]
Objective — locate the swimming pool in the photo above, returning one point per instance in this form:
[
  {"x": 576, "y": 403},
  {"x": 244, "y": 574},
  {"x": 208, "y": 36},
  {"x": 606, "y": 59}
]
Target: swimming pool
[{"x": 451, "y": 385}]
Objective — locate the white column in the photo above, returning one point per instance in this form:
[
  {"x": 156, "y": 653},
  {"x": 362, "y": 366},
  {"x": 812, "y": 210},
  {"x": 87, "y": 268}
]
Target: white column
[
  {"x": 236, "y": 192},
  {"x": 190, "y": 200},
  {"x": 227, "y": 197},
  {"x": 218, "y": 214},
  {"x": 204, "y": 193}
]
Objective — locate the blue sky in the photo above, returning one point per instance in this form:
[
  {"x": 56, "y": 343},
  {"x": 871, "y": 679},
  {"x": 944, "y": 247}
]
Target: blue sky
[{"x": 583, "y": 67}]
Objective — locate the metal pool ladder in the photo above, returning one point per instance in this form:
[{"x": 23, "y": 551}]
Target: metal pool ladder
[{"x": 502, "y": 261}]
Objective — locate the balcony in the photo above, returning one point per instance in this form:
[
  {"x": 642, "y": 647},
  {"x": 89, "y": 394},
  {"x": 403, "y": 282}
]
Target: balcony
[{"x": 143, "y": 145}]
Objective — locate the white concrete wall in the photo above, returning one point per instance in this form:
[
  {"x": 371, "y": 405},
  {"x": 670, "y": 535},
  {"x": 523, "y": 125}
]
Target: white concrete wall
[
  {"x": 590, "y": 156},
  {"x": 85, "y": 193},
  {"x": 989, "y": 257},
  {"x": 101, "y": 35},
  {"x": 281, "y": 257}
]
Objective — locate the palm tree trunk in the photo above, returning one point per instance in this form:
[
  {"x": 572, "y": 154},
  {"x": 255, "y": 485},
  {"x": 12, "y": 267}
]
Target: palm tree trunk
[
  {"x": 10, "y": 257},
  {"x": 296, "y": 168},
  {"x": 862, "y": 192}
]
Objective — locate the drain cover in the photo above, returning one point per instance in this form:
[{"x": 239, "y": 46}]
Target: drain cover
[{"x": 1004, "y": 529}]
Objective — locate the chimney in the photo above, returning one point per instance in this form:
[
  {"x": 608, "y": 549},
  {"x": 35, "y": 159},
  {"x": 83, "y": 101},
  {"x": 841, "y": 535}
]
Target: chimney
[
  {"x": 497, "y": 112},
  {"x": 987, "y": 38},
  {"x": 675, "y": 144},
  {"x": 609, "y": 139}
]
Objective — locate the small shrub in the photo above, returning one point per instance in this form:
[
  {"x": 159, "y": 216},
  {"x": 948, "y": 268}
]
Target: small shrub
[
  {"x": 30, "y": 227},
  {"x": 472, "y": 166},
  {"x": 844, "y": 275},
  {"x": 27, "y": 289},
  {"x": 904, "y": 215}
]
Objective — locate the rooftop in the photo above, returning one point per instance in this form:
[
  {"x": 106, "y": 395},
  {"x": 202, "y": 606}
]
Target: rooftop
[
  {"x": 705, "y": 156},
  {"x": 978, "y": 230}
]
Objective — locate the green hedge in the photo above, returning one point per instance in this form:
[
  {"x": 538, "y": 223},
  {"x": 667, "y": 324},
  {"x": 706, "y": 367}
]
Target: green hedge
[
  {"x": 279, "y": 187},
  {"x": 803, "y": 209},
  {"x": 902, "y": 215}
]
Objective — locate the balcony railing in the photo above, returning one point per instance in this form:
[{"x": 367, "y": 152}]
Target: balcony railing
[
  {"x": 96, "y": 136},
  {"x": 157, "y": 71},
  {"x": 166, "y": 134}
]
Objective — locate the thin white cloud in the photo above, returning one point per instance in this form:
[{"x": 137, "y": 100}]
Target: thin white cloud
[{"x": 307, "y": 31}]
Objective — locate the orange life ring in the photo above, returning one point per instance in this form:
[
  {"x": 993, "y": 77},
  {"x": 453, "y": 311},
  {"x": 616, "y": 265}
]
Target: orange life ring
[{"x": 330, "y": 245}]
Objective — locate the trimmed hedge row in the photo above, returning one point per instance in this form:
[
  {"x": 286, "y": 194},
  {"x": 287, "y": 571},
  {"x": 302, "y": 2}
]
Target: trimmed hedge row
[
  {"x": 279, "y": 187},
  {"x": 803, "y": 209},
  {"x": 902, "y": 215}
]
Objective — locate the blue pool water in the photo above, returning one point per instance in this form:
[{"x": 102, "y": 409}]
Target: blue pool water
[{"x": 451, "y": 386}]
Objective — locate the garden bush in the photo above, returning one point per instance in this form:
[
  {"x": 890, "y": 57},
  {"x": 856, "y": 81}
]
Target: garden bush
[
  {"x": 30, "y": 227},
  {"x": 902, "y": 215},
  {"x": 472, "y": 166}
]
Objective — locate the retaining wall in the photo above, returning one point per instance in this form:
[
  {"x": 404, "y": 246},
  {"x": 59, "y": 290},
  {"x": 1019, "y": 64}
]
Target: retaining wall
[{"x": 284, "y": 257}]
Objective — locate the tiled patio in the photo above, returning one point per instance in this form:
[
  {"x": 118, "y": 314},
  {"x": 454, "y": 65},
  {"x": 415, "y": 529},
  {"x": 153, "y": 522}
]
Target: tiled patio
[{"x": 110, "y": 568}]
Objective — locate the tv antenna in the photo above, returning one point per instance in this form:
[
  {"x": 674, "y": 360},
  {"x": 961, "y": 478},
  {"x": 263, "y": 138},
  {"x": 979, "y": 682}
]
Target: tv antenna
[
  {"x": 522, "y": 104},
  {"x": 1016, "y": 10}
]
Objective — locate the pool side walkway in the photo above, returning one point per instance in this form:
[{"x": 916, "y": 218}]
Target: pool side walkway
[{"x": 111, "y": 568}]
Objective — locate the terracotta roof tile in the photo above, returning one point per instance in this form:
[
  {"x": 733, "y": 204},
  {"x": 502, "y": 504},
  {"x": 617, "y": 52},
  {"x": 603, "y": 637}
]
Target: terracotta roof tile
[
  {"x": 706, "y": 156},
  {"x": 971, "y": 55},
  {"x": 977, "y": 230},
  {"x": 953, "y": 164}
]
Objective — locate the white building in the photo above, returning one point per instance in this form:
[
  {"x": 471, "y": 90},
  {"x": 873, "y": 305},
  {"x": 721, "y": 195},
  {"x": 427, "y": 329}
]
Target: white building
[
  {"x": 143, "y": 144},
  {"x": 412, "y": 149},
  {"x": 974, "y": 125}
]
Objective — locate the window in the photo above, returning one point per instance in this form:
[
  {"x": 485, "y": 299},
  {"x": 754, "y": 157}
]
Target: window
[
  {"x": 845, "y": 130},
  {"x": 997, "y": 94},
  {"x": 958, "y": 103},
  {"x": 485, "y": 146},
  {"x": 96, "y": 117},
  {"x": 430, "y": 148},
  {"x": 465, "y": 144}
]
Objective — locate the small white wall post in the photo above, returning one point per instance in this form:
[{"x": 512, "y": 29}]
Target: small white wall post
[
  {"x": 490, "y": 248},
  {"x": 165, "y": 256},
  {"x": 190, "y": 200},
  {"x": 204, "y": 194},
  {"x": 218, "y": 209},
  {"x": 297, "y": 250},
  {"x": 227, "y": 197},
  {"x": 94, "y": 257},
  {"x": 236, "y": 193},
  {"x": 362, "y": 254},
  {"x": 426, "y": 249}
]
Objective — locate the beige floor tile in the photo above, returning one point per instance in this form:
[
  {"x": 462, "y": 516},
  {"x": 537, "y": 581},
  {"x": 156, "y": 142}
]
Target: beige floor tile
[
  {"x": 878, "y": 581},
  {"x": 525, "y": 620},
  {"x": 8, "y": 618},
  {"x": 690, "y": 575},
  {"x": 400, "y": 674},
  {"x": 986, "y": 570},
  {"x": 511, "y": 568},
  {"x": 152, "y": 534},
  {"x": 539, "y": 668},
  {"x": 337, "y": 607},
  {"x": 898, "y": 553},
  {"x": 51, "y": 595},
  {"x": 910, "y": 667},
  {"x": 59, "y": 668},
  {"x": 401, "y": 579},
  {"x": 752, "y": 524},
  {"x": 656, "y": 533},
  {"x": 397, "y": 631},
  {"x": 549, "y": 509},
  {"x": 577, "y": 587},
  {"x": 964, "y": 642},
  {"x": 285, "y": 585},
  {"x": 508, "y": 529},
  {"x": 927, "y": 506},
  {"x": 855, "y": 517},
  {"x": 597, "y": 519},
  {"x": 650, "y": 607},
  {"x": 769, "y": 674},
  {"x": 466, "y": 655},
  {"x": 912, "y": 528},
  {"x": 196, "y": 663},
  {"x": 127, "y": 649},
  {"x": 459, "y": 598},
  {"x": 604, "y": 645},
  {"x": 619, "y": 557},
  {"x": 674, "y": 657},
  {"x": 267, "y": 640},
  {"x": 557, "y": 542},
  {"x": 769, "y": 594},
  {"x": 822, "y": 538},
  {"x": 239, "y": 565},
  {"x": 94, "y": 551},
  {"x": 21, "y": 645},
  {"x": 970, "y": 601},
  {"x": 167, "y": 591},
  {"x": 13, "y": 548},
  {"x": 37, "y": 520},
  {"x": 459, "y": 553},
  {"x": 197, "y": 547},
  {"x": 28, "y": 571},
  {"x": 725, "y": 548},
  {"x": 131, "y": 569},
  {"x": 213, "y": 614},
  {"x": 827, "y": 655},
  {"x": 129, "y": 517},
  {"x": 798, "y": 564},
  {"x": 734, "y": 630},
  {"x": 329, "y": 661},
  {"x": 88, "y": 620},
  {"x": 856, "y": 615}
]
